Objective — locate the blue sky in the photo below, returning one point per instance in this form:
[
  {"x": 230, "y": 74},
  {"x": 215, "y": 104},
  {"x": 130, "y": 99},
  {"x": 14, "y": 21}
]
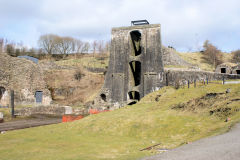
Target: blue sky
[{"x": 186, "y": 24}]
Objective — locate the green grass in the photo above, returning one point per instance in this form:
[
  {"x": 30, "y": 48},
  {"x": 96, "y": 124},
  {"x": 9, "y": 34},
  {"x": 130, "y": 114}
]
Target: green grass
[
  {"x": 120, "y": 134},
  {"x": 91, "y": 62}
]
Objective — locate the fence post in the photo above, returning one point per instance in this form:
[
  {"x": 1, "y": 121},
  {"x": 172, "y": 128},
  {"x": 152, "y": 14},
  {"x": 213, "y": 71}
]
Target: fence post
[
  {"x": 223, "y": 80},
  {"x": 166, "y": 79},
  {"x": 12, "y": 102},
  {"x": 188, "y": 83},
  {"x": 207, "y": 80},
  {"x": 194, "y": 83}
]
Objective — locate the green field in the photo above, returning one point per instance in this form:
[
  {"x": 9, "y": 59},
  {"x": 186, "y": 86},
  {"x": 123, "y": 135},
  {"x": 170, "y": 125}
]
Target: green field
[{"x": 169, "y": 116}]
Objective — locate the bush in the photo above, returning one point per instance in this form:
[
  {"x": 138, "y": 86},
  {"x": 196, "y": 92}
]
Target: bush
[
  {"x": 236, "y": 56},
  {"x": 79, "y": 75},
  {"x": 212, "y": 54}
]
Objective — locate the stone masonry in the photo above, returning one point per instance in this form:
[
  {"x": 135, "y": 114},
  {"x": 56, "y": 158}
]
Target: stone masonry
[{"x": 135, "y": 66}]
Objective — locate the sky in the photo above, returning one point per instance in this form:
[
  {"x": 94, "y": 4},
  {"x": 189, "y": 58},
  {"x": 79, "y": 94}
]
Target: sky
[{"x": 185, "y": 24}]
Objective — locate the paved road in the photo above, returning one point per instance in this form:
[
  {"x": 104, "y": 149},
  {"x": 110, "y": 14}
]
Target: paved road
[
  {"x": 28, "y": 123},
  {"x": 222, "y": 147}
]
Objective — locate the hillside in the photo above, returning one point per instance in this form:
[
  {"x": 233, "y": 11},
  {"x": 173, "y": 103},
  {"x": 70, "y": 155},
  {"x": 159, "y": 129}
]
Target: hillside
[
  {"x": 170, "y": 117},
  {"x": 71, "y": 82},
  {"x": 197, "y": 58}
]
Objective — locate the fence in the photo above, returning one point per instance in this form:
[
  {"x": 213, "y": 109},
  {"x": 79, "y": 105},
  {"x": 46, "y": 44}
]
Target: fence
[{"x": 183, "y": 83}]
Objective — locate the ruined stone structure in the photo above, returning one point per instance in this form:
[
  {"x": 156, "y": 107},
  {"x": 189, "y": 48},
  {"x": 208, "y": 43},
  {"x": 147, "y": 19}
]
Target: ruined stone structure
[
  {"x": 135, "y": 66},
  {"x": 25, "y": 78},
  {"x": 236, "y": 69},
  {"x": 228, "y": 68}
]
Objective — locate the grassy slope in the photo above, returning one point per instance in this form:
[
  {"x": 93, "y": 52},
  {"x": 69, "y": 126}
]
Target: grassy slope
[
  {"x": 120, "y": 134},
  {"x": 86, "y": 61},
  {"x": 197, "y": 58}
]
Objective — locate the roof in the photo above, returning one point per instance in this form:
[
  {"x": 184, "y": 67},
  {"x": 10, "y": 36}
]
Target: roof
[{"x": 35, "y": 60}]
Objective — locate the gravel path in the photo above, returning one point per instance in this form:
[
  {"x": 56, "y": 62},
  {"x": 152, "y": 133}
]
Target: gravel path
[
  {"x": 28, "y": 123},
  {"x": 222, "y": 147}
]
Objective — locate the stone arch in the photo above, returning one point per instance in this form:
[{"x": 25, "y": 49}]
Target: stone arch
[
  {"x": 135, "y": 67},
  {"x": 134, "y": 97},
  {"x": 136, "y": 42},
  {"x": 2, "y": 91},
  {"x": 103, "y": 97}
]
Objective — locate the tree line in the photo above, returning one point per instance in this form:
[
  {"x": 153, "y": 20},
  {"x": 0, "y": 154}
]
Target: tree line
[
  {"x": 54, "y": 44},
  {"x": 50, "y": 44}
]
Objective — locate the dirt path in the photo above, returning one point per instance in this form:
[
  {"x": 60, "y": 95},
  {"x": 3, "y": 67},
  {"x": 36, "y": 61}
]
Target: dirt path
[
  {"x": 222, "y": 147},
  {"x": 35, "y": 121}
]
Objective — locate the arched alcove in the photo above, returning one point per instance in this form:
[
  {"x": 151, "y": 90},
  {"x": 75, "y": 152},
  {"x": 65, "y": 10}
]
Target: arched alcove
[
  {"x": 136, "y": 42},
  {"x": 136, "y": 72},
  {"x": 2, "y": 91}
]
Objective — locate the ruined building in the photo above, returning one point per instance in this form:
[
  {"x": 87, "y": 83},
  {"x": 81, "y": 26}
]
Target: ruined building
[
  {"x": 135, "y": 66},
  {"x": 25, "y": 78}
]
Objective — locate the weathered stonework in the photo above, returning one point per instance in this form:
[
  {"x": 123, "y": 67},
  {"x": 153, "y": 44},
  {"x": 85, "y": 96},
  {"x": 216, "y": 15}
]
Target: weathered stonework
[
  {"x": 182, "y": 76},
  {"x": 135, "y": 66},
  {"x": 236, "y": 69},
  {"x": 226, "y": 68},
  {"x": 25, "y": 78}
]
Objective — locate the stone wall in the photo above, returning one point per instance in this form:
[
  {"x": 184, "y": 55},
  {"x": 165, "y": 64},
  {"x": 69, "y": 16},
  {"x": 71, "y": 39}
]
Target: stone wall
[
  {"x": 180, "y": 75},
  {"x": 228, "y": 67},
  {"x": 236, "y": 69},
  {"x": 25, "y": 78},
  {"x": 50, "y": 110}
]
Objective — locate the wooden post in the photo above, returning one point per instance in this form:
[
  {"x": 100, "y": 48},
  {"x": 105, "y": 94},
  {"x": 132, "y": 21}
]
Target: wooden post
[
  {"x": 166, "y": 79},
  {"x": 194, "y": 83},
  {"x": 12, "y": 102},
  {"x": 188, "y": 83},
  {"x": 223, "y": 80},
  {"x": 207, "y": 80}
]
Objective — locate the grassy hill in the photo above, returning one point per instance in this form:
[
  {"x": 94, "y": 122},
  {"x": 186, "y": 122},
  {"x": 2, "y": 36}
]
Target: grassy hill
[
  {"x": 198, "y": 59},
  {"x": 170, "y": 117}
]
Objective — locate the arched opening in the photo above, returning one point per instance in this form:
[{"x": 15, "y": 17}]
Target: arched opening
[
  {"x": 136, "y": 41},
  {"x": 238, "y": 71},
  {"x": 136, "y": 72},
  {"x": 223, "y": 70},
  {"x": 103, "y": 97},
  {"x": 134, "y": 96},
  {"x": 2, "y": 91}
]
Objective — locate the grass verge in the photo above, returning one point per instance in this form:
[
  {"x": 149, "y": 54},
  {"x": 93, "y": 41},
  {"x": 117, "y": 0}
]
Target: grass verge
[{"x": 121, "y": 134}]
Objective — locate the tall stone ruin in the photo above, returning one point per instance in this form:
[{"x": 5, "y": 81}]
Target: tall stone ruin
[{"x": 135, "y": 66}]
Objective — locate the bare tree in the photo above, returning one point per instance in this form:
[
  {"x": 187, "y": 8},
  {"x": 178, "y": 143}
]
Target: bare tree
[
  {"x": 1, "y": 45},
  {"x": 47, "y": 43},
  {"x": 107, "y": 47},
  {"x": 65, "y": 45},
  {"x": 78, "y": 45},
  {"x": 212, "y": 54},
  {"x": 94, "y": 46},
  {"x": 100, "y": 46},
  {"x": 86, "y": 47},
  {"x": 236, "y": 56}
]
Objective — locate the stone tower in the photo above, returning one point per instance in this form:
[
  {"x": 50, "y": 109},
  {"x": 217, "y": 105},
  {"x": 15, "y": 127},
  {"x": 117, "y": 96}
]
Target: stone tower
[{"x": 135, "y": 66}]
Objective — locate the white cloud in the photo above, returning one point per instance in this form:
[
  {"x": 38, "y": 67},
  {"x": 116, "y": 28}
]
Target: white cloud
[{"x": 185, "y": 24}]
